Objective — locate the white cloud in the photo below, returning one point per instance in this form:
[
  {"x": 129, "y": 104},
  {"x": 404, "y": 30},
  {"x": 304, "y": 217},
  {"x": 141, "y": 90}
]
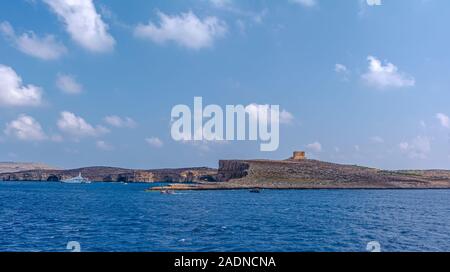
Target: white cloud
[
  {"x": 286, "y": 117},
  {"x": 403, "y": 146},
  {"x": 76, "y": 126},
  {"x": 364, "y": 5},
  {"x": 443, "y": 119},
  {"x": 102, "y": 145},
  {"x": 244, "y": 15},
  {"x": 340, "y": 68},
  {"x": 25, "y": 128},
  {"x": 46, "y": 48},
  {"x": 68, "y": 84},
  {"x": 386, "y": 76},
  {"x": 185, "y": 29},
  {"x": 305, "y": 3},
  {"x": 221, "y": 3},
  {"x": 84, "y": 24},
  {"x": 315, "y": 147},
  {"x": 373, "y": 2},
  {"x": 418, "y": 147},
  {"x": 14, "y": 93},
  {"x": 117, "y": 121},
  {"x": 154, "y": 141},
  {"x": 377, "y": 139}
]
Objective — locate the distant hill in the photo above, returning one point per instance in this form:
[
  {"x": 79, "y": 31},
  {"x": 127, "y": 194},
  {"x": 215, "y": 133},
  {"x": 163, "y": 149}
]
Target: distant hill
[
  {"x": 114, "y": 174},
  {"x": 12, "y": 167}
]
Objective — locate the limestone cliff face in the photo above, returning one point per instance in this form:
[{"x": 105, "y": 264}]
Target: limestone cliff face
[
  {"x": 111, "y": 174},
  {"x": 298, "y": 173},
  {"x": 238, "y": 174},
  {"x": 232, "y": 169}
]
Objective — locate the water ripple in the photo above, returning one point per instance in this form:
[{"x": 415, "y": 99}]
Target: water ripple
[{"x": 106, "y": 217}]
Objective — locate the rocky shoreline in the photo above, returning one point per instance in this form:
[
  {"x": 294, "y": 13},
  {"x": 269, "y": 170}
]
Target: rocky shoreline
[
  {"x": 250, "y": 174},
  {"x": 112, "y": 174},
  {"x": 312, "y": 174}
]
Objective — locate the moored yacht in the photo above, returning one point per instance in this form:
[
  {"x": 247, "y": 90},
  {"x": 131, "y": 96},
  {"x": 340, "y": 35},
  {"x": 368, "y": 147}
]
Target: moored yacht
[{"x": 77, "y": 179}]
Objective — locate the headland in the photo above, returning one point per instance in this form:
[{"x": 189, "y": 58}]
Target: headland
[{"x": 297, "y": 172}]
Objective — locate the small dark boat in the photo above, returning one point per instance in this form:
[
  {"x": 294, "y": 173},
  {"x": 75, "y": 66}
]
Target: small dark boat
[{"x": 255, "y": 190}]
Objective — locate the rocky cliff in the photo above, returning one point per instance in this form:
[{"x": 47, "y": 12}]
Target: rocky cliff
[
  {"x": 111, "y": 174},
  {"x": 232, "y": 169},
  {"x": 313, "y": 174},
  {"x": 238, "y": 174}
]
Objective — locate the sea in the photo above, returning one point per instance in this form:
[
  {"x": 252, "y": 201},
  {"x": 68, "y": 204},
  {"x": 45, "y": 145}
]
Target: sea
[{"x": 104, "y": 217}]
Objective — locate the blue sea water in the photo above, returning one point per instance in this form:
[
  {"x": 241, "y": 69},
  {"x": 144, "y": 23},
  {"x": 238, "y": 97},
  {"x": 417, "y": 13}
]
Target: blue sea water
[{"x": 119, "y": 217}]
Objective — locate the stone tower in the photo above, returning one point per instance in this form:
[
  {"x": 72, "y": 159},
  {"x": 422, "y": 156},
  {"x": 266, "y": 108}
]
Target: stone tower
[{"x": 298, "y": 155}]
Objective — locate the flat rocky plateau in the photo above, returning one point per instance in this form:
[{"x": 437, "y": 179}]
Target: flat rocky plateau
[{"x": 11, "y": 167}]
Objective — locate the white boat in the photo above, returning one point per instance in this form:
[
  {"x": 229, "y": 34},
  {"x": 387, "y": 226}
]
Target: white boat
[{"x": 77, "y": 179}]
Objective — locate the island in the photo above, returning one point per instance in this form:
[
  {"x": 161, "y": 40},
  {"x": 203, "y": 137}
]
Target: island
[{"x": 296, "y": 172}]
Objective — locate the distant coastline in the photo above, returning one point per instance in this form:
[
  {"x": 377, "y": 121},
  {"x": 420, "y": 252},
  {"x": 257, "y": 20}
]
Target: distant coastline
[{"x": 293, "y": 173}]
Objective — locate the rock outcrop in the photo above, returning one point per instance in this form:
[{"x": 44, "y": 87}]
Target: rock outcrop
[
  {"x": 313, "y": 174},
  {"x": 232, "y": 169},
  {"x": 111, "y": 174}
]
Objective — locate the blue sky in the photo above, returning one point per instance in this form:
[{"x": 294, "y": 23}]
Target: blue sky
[{"x": 93, "y": 82}]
